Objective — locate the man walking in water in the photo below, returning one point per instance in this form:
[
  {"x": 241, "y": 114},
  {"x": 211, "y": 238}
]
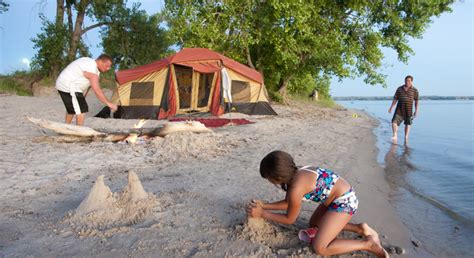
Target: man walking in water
[
  {"x": 405, "y": 96},
  {"x": 73, "y": 84}
]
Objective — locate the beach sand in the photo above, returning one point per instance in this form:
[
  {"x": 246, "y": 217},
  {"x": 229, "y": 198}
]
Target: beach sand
[{"x": 195, "y": 186}]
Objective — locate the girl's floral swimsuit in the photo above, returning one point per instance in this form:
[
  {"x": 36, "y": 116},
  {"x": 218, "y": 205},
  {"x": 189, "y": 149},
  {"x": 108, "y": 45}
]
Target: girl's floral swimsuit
[{"x": 346, "y": 203}]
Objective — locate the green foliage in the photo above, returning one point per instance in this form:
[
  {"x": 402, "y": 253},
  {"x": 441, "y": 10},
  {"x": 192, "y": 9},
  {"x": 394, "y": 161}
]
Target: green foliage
[
  {"x": 305, "y": 84},
  {"x": 3, "y": 6},
  {"x": 48, "y": 81},
  {"x": 322, "y": 102},
  {"x": 288, "y": 40},
  {"x": 130, "y": 36},
  {"x": 275, "y": 96},
  {"x": 107, "y": 80},
  {"x": 328, "y": 103},
  {"x": 11, "y": 86},
  {"x": 136, "y": 40},
  {"x": 51, "y": 45}
]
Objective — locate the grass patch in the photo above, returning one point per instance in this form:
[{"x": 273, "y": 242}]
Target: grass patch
[{"x": 11, "y": 86}]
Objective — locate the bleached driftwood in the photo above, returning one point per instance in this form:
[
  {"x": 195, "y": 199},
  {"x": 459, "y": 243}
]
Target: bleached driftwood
[
  {"x": 66, "y": 129},
  {"x": 73, "y": 133}
]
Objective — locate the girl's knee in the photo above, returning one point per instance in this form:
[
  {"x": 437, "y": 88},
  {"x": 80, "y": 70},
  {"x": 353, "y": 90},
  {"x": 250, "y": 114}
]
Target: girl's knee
[{"x": 320, "y": 249}]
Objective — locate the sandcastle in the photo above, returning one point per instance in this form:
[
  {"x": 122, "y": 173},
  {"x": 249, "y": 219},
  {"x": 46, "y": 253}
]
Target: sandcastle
[{"x": 102, "y": 209}]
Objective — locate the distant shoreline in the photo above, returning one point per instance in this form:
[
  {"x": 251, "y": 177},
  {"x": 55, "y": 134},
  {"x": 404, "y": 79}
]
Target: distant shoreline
[{"x": 421, "y": 98}]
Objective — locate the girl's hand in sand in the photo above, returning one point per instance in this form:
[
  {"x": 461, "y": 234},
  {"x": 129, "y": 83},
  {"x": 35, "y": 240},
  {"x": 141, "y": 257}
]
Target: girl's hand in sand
[
  {"x": 254, "y": 210},
  {"x": 258, "y": 203}
]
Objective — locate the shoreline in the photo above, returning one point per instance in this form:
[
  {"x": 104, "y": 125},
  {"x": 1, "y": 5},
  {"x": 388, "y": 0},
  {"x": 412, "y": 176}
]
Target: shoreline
[
  {"x": 429, "y": 222},
  {"x": 377, "y": 208},
  {"x": 201, "y": 183}
]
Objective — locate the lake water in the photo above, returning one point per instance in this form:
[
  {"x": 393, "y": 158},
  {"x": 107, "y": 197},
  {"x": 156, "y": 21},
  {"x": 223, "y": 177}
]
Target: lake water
[{"x": 432, "y": 175}]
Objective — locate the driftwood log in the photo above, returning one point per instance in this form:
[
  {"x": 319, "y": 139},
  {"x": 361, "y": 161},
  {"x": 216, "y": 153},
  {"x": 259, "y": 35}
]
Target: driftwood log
[
  {"x": 73, "y": 133},
  {"x": 66, "y": 129}
]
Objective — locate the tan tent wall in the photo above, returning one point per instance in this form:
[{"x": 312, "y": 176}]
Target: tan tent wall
[
  {"x": 262, "y": 95},
  {"x": 255, "y": 87},
  {"x": 159, "y": 78}
]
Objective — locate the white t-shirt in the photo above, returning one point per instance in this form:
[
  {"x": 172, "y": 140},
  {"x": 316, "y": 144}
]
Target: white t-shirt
[{"x": 72, "y": 78}]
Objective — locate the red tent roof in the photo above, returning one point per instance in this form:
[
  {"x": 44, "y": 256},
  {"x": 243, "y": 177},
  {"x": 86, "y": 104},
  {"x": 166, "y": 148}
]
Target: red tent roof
[{"x": 183, "y": 56}]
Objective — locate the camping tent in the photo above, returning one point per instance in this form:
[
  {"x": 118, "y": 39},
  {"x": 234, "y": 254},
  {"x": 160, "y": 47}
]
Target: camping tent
[{"x": 192, "y": 80}]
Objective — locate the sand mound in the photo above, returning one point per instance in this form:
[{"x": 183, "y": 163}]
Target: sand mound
[
  {"x": 187, "y": 144},
  {"x": 184, "y": 126},
  {"x": 273, "y": 236},
  {"x": 104, "y": 212}
]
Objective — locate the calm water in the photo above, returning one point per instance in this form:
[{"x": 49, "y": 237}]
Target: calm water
[{"x": 433, "y": 174}]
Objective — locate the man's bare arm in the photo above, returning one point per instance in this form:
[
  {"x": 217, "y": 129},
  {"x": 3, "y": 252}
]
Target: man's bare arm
[
  {"x": 416, "y": 108},
  {"x": 94, "y": 80},
  {"x": 393, "y": 104}
]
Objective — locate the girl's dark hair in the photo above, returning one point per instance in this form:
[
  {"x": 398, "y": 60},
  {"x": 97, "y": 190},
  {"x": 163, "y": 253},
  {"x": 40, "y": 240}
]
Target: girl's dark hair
[{"x": 280, "y": 166}]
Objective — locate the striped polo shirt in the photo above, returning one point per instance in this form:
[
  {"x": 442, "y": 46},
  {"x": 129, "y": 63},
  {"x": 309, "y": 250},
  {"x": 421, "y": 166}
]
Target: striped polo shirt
[{"x": 405, "y": 100}]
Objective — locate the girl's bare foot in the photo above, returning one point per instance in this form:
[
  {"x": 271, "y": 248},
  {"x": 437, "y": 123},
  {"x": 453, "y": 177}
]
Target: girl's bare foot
[
  {"x": 376, "y": 248},
  {"x": 368, "y": 231}
]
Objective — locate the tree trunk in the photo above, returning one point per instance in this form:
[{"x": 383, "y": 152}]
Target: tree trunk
[
  {"x": 282, "y": 85},
  {"x": 76, "y": 34},
  {"x": 59, "y": 23},
  {"x": 59, "y": 13},
  {"x": 69, "y": 17},
  {"x": 249, "y": 58}
]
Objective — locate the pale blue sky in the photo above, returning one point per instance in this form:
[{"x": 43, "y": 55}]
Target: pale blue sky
[{"x": 442, "y": 64}]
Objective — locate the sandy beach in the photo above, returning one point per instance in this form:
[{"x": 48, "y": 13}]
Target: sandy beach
[{"x": 196, "y": 185}]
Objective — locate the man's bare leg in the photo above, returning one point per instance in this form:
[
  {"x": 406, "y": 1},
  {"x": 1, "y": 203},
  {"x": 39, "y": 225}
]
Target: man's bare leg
[
  {"x": 80, "y": 119},
  {"x": 69, "y": 118},
  {"x": 394, "y": 130},
  {"x": 407, "y": 131}
]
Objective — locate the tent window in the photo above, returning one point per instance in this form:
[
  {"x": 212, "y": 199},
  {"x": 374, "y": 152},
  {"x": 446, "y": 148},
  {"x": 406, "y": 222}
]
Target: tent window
[
  {"x": 141, "y": 93},
  {"x": 240, "y": 91},
  {"x": 205, "y": 85},
  {"x": 142, "y": 90}
]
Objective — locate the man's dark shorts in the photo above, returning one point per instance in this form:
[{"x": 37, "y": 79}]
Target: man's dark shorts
[
  {"x": 398, "y": 120},
  {"x": 75, "y": 102}
]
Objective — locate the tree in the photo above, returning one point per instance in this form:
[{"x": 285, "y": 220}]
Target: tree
[
  {"x": 305, "y": 84},
  {"x": 59, "y": 43},
  {"x": 51, "y": 47},
  {"x": 136, "y": 40},
  {"x": 291, "y": 39},
  {"x": 131, "y": 36},
  {"x": 103, "y": 12},
  {"x": 3, "y": 6}
]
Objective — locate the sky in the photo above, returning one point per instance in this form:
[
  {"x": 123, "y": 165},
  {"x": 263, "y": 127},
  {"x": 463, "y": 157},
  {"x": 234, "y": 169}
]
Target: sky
[{"x": 442, "y": 64}]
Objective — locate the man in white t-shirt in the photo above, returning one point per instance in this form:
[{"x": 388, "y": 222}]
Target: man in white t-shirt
[{"x": 73, "y": 84}]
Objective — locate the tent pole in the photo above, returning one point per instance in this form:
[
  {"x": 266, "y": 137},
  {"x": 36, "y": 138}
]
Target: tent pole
[{"x": 230, "y": 112}]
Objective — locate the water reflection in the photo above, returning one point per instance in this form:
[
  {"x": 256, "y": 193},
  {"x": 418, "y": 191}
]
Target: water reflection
[{"x": 398, "y": 163}]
